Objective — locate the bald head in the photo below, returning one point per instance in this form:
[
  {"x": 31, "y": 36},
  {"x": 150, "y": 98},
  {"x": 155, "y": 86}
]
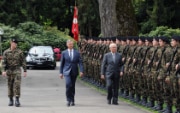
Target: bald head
[{"x": 113, "y": 47}]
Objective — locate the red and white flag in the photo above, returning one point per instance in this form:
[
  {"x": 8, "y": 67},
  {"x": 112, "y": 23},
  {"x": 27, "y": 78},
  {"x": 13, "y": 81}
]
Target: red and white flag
[{"x": 75, "y": 28}]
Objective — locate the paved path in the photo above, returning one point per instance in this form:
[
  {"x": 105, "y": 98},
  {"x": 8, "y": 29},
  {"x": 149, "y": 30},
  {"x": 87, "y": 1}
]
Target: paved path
[{"x": 44, "y": 92}]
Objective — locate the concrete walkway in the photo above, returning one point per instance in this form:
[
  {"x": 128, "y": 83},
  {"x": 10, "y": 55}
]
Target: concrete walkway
[{"x": 44, "y": 92}]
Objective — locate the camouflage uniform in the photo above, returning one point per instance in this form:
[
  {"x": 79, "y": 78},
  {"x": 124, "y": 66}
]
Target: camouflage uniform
[
  {"x": 122, "y": 49},
  {"x": 130, "y": 71},
  {"x": 167, "y": 97},
  {"x": 158, "y": 84},
  {"x": 151, "y": 57},
  {"x": 105, "y": 49},
  {"x": 174, "y": 78},
  {"x": 84, "y": 59},
  {"x": 138, "y": 55},
  {"x": 143, "y": 69},
  {"x": 99, "y": 59},
  {"x": 12, "y": 61},
  {"x": 95, "y": 63}
]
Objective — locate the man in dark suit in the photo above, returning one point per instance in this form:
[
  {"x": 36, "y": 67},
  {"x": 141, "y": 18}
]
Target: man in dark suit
[
  {"x": 111, "y": 70},
  {"x": 70, "y": 65}
]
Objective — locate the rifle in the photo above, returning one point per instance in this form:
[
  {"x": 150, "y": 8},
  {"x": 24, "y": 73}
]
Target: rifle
[
  {"x": 136, "y": 62},
  {"x": 131, "y": 57},
  {"x": 124, "y": 53},
  {"x": 143, "y": 60},
  {"x": 151, "y": 61},
  {"x": 171, "y": 61},
  {"x": 159, "y": 63}
]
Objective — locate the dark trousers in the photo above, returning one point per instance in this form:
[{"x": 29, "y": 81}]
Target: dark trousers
[
  {"x": 112, "y": 85},
  {"x": 70, "y": 86}
]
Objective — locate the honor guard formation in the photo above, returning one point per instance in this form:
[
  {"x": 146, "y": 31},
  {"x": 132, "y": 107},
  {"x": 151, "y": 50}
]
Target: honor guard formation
[{"x": 151, "y": 68}]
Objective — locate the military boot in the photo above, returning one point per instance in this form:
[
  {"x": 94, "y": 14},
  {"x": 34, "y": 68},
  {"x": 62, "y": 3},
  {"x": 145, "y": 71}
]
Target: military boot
[
  {"x": 159, "y": 107},
  {"x": 138, "y": 98},
  {"x": 150, "y": 104},
  {"x": 11, "y": 101},
  {"x": 177, "y": 110},
  {"x": 126, "y": 94},
  {"x": 17, "y": 103},
  {"x": 121, "y": 92},
  {"x": 143, "y": 102},
  {"x": 168, "y": 109},
  {"x": 131, "y": 97}
]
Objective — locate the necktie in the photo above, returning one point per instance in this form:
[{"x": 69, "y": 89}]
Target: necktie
[
  {"x": 71, "y": 54},
  {"x": 113, "y": 57}
]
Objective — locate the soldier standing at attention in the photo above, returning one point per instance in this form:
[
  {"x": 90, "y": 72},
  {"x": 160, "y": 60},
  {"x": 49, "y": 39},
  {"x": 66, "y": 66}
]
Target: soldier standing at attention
[
  {"x": 13, "y": 60},
  {"x": 174, "y": 72},
  {"x": 151, "y": 72},
  {"x": 163, "y": 56}
]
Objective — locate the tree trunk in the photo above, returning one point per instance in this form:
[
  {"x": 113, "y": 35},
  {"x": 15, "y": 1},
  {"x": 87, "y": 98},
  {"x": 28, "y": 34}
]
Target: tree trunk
[{"x": 117, "y": 18}]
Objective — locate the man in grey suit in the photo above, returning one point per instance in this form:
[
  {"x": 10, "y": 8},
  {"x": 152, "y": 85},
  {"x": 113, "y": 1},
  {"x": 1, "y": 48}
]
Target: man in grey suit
[
  {"x": 111, "y": 71},
  {"x": 70, "y": 66}
]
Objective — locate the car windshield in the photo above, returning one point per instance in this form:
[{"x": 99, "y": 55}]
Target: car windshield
[{"x": 41, "y": 50}]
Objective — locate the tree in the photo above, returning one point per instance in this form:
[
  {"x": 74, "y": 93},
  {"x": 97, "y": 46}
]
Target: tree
[
  {"x": 88, "y": 18},
  {"x": 117, "y": 18},
  {"x": 153, "y": 13}
]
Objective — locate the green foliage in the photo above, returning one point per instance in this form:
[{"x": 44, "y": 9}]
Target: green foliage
[
  {"x": 149, "y": 14},
  {"x": 153, "y": 13},
  {"x": 44, "y": 12},
  {"x": 89, "y": 19},
  {"x": 30, "y": 34},
  {"x": 163, "y": 31}
]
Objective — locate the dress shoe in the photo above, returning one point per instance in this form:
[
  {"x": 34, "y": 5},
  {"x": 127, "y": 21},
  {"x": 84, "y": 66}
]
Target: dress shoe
[
  {"x": 68, "y": 104},
  {"x": 17, "y": 103},
  {"x": 11, "y": 102},
  {"x": 115, "y": 103},
  {"x": 109, "y": 102},
  {"x": 72, "y": 104}
]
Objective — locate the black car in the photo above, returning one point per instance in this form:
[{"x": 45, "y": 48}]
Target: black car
[{"x": 41, "y": 56}]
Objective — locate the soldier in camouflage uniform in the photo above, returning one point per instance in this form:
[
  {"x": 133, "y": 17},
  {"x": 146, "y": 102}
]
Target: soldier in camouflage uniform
[
  {"x": 99, "y": 57},
  {"x": 89, "y": 60},
  {"x": 122, "y": 48},
  {"x": 151, "y": 71},
  {"x": 163, "y": 57},
  {"x": 128, "y": 41},
  {"x": 85, "y": 57},
  {"x": 95, "y": 62},
  {"x": 129, "y": 67},
  {"x": 126, "y": 46},
  {"x": 163, "y": 74},
  {"x": 138, "y": 56},
  {"x": 142, "y": 70},
  {"x": 174, "y": 66},
  {"x": 13, "y": 60}
]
